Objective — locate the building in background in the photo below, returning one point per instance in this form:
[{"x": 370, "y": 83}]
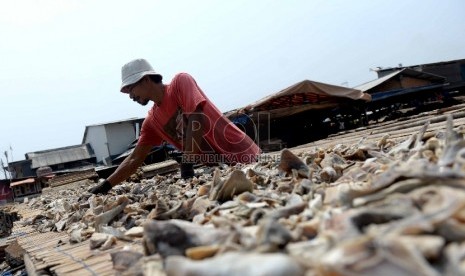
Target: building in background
[
  {"x": 20, "y": 169},
  {"x": 71, "y": 158},
  {"x": 403, "y": 89},
  {"x": 453, "y": 71},
  {"x": 109, "y": 140},
  {"x": 28, "y": 187},
  {"x": 294, "y": 115}
]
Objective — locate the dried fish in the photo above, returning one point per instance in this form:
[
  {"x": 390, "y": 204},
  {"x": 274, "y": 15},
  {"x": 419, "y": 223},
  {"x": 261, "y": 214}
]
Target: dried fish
[
  {"x": 201, "y": 205},
  {"x": 161, "y": 211},
  {"x": 328, "y": 174},
  {"x": 98, "y": 239},
  {"x": 287, "y": 211},
  {"x": 202, "y": 252},
  {"x": 236, "y": 184},
  {"x": 291, "y": 162},
  {"x": 106, "y": 217},
  {"x": 405, "y": 146},
  {"x": 454, "y": 256},
  {"x": 173, "y": 237},
  {"x": 382, "y": 201},
  {"x": 135, "y": 232},
  {"x": 235, "y": 263},
  {"x": 122, "y": 260},
  {"x": 165, "y": 238},
  {"x": 272, "y": 236},
  {"x": 366, "y": 256}
]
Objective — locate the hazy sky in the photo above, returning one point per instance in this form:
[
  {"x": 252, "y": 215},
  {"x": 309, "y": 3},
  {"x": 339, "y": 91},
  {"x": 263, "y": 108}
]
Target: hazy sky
[{"x": 60, "y": 60}]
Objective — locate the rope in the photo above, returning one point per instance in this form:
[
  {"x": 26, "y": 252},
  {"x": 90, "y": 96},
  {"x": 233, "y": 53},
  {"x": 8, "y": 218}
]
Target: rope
[{"x": 81, "y": 262}]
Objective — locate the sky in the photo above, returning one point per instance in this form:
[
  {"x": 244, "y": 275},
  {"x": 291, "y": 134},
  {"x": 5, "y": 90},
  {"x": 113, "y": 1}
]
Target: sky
[{"x": 60, "y": 61}]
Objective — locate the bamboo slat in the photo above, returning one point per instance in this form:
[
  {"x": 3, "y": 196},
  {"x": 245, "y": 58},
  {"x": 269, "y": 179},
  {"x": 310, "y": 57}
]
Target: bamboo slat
[{"x": 52, "y": 252}]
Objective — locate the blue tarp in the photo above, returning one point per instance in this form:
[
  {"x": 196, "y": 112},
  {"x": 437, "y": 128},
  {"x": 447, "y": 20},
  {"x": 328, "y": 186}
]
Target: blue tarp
[{"x": 393, "y": 93}]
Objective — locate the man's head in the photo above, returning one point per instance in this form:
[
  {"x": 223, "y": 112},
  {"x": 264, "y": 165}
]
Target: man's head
[{"x": 138, "y": 78}]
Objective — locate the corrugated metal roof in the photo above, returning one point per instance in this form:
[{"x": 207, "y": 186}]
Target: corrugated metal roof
[
  {"x": 368, "y": 85},
  {"x": 130, "y": 120},
  {"x": 60, "y": 155},
  {"x": 421, "y": 65},
  {"x": 409, "y": 72}
]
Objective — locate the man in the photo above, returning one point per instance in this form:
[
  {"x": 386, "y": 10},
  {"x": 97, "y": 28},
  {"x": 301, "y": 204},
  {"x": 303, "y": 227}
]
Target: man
[{"x": 183, "y": 116}]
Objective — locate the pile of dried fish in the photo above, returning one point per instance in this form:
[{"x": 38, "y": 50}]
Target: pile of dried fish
[{"x": 372, "y": 208}]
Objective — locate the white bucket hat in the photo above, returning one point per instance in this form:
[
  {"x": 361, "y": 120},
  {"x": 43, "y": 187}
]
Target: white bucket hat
[{"x": 135, "y": 70}]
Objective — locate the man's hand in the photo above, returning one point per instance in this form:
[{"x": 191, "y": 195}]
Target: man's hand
[{"x": 101, "y": 188}]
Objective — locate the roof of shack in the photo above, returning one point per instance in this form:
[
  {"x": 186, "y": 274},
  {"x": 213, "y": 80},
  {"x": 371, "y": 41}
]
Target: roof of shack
[
  {"x": 302, "y": 96},
  {"x": 60, "y": 155}
]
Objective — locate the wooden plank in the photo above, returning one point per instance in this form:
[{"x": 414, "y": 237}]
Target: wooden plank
[
  {"x": 37, "y": 248},
  {"x": 376, "y": 134},
  {"x": 102, "y": 267},
  {"x": 64, "y": 256},
  {"x": 86, "y": 265},
  {"x": 160, "y": 168},
  {"x": 72, "y": 177},
  {"x": 43, "y": 266},
  {"x": 37, "y": 239},
  {"x": 30, "y": 269},
  {"x": 399, "y": 129},
  {"x": 76, "y": 263},
  {"x": 72, "y": 246},
  {"x": 65, "y": 259},
  {"x": 56, "y": 257},
  {"x": 49, "y": 254}
]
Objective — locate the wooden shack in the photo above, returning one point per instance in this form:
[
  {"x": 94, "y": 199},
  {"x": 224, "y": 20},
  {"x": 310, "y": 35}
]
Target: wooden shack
[
  {"x": 26, "y": 187},
  {"x": 296, "y": 114}
]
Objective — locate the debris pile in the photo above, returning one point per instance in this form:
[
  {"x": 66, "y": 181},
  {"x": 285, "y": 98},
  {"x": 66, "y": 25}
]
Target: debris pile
[{"x": 375, "y": 207}]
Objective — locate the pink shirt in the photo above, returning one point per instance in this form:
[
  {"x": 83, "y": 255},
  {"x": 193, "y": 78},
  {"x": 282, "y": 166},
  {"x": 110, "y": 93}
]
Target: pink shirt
[{"x": 168, "y": 122}]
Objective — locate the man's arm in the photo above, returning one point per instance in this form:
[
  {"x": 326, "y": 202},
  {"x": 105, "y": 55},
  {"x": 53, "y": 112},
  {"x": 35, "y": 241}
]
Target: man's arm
[
  {"x": 130, "y": 164},
  {"x": 124, "y": 170}
]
